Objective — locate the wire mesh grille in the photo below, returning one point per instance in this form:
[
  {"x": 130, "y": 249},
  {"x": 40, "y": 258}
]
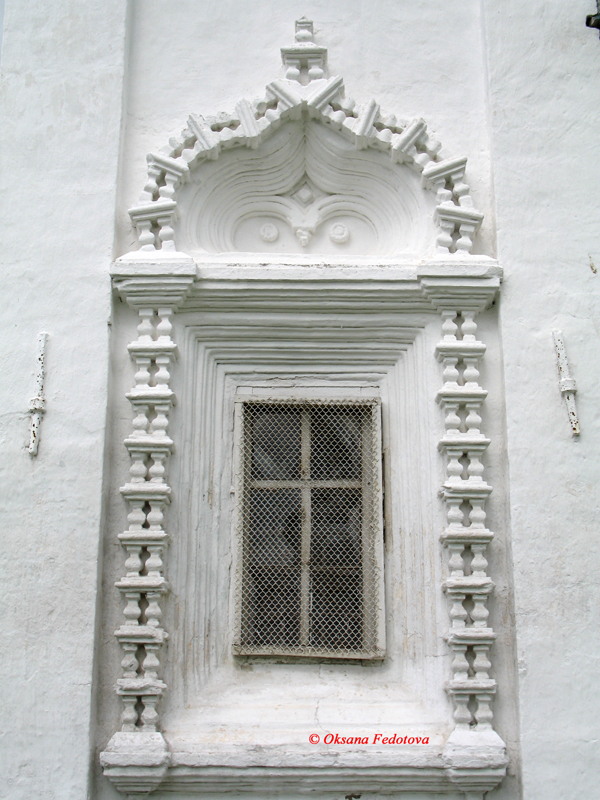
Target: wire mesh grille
[{"x": 308, "y": 582}]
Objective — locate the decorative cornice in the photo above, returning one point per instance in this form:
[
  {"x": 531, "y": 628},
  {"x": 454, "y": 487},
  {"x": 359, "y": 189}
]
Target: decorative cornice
[
  {"x": 150, "y": 280},
  {"x": 305, "y": 90}
]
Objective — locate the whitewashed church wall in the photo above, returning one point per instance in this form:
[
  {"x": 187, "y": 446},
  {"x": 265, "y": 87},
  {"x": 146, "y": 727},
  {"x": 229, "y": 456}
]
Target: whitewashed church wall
[
  {"x": 206, "y": 65},
  {"x": 543, "y": 72},
  {"x": 62, "y": 79},
  {"x": 88, "y": 90}
]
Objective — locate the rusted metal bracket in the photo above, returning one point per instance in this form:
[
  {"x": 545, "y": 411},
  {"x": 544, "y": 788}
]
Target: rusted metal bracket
[
  {"x": 37, "y": 405},
  {"x": 565, "y": 381}
]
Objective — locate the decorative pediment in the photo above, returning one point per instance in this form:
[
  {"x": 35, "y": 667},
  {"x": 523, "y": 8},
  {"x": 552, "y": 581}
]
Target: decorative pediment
[{"x": 304, "y": 170}]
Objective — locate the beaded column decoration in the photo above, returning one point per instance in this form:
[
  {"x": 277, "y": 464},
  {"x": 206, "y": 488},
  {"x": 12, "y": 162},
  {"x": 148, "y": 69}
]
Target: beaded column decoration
[
  {"x": 147, "y": 494},
  {"x": 466, "y": 537}
]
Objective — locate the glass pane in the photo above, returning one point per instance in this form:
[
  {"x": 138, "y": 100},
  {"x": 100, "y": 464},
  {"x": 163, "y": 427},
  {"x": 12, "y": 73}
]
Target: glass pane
[
  {"x": 336, "y": 443},
  {"x": 271, "y": 556},
  {"x": 272, "y": 434},
  {"x": 336, "y": 569}
]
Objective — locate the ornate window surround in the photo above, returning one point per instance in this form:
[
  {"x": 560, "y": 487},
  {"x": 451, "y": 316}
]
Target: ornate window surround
[{"x": 384, "y": 308}]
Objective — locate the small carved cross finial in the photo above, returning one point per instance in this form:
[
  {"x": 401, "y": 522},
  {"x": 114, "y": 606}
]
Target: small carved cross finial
[
  {"x": 304, "y": 61},
  {"x": 304, "y": 30},
  {"x": 593, "y": 20}
]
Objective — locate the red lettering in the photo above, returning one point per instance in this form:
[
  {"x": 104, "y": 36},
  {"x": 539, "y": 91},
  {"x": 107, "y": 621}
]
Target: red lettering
[
  {"x": 411, "y": 740},
  {"x": 426, "y": 740},
  {"x": 376, "y": 738},
  {"x": 418, "y": 738},
  {"x": 393, "y": 739},
  {"x": 328, "y": 736},
  {"x": 337, "y": 740},
  {"x": 365, "y": 740},
  {"x": 404, "y": 740}
]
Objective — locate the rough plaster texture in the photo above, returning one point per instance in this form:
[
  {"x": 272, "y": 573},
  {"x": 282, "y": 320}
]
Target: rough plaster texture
[
  {"x": 510, "y": 85},
  {"x": 544, "y": 132},
  {"x": 62, "y": 78}
]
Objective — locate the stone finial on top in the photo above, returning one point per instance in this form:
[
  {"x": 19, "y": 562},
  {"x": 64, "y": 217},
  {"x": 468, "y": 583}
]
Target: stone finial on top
[{"x": 304, "y": 54}]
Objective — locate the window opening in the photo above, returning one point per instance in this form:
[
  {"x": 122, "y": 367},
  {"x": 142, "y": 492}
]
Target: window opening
[{"x": 310, "y": 533}]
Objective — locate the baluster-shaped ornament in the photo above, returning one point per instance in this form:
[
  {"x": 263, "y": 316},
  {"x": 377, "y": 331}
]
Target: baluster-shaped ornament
[
  {"x": 153, "y": 611},
  {"x": 473, "y": 420},
  {"x": 141, "y": 423},
  {"x": 462, "y": 715},
  {"x": 149, "y": 714},
  {"x": 166, "y": 232},
  {"x": 132, "y": 611},
  {"x": 468, "y": 326},
  {"x": 156, "y": 515},
  {"x": 475, "y": 467},
  {"x": 483, "y": 713},
  {"x": 455, "y": 514},
  {"x": 479, "y": 562},
  {"x": 151, "y": 663},
  {"x": 154, "y": 562},
  {"x": 451, "y": 419},
  {"x": 162, "y": 376},
  {"x": 449, "y": 327},
  {"x": 134, "y": 563},
  {"x": 477, "y": 514},
  {"x": 138, "y": 469},
  {"x": 470, "y": 373},
  {"x": 145, "y": 327},
  {"x": 450, "y": 373},
  {"x": 467, "y": 230},
  {"x": 454, "y": 467},
  {"x": 145, "y": 234},
  {"x": 130, "y": 663},
  {"x": 456, "y": 561},
  {"x": 129, "y": 716},
  {"x": 137, "y": 515},
  {"x": 165, "y": 326},
  {"x": 460, "y": 665},
  {"x": 157, "y": 470},
  {"x": 458, "y": 613},
  {"x": 444, "y": 240},
  {"x": 160, "y": 423},
  {"x": 479, "y": 612},
  {"x": 481, "y": 664}
]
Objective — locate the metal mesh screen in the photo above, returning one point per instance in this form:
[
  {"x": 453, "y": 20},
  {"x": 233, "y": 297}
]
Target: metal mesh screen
[{"x": 308, "y": 582}]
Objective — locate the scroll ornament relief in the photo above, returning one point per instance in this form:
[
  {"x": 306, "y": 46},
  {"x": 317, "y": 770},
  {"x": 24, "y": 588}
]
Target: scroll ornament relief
[{"x": 304, "y": 101}]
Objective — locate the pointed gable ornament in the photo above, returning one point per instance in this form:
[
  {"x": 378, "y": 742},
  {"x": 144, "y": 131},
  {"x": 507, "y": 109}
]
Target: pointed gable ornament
[{"x": 350, "y": 183}]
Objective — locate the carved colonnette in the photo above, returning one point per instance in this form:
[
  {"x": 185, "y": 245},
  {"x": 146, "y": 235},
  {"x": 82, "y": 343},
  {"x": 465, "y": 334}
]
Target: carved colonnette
[{"x": 154, "y": 290}]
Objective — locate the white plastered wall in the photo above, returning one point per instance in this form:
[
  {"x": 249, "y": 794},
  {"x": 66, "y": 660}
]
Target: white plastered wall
[
  {"x": 511, "y": 85},
  {"x": 544, "y": 68},
  {"x": 62, "y": 83}
]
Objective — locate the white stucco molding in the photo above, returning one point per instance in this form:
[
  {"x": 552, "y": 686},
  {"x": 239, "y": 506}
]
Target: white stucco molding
[
  {"x": 139, "y": 758},
  {"x": 158, "y": 281},
  {"x": 305, "y": 93}
]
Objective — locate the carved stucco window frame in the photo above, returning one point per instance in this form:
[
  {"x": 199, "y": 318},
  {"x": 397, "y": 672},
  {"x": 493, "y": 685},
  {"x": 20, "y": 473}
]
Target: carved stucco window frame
[{"x": 160, "y": 282}]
